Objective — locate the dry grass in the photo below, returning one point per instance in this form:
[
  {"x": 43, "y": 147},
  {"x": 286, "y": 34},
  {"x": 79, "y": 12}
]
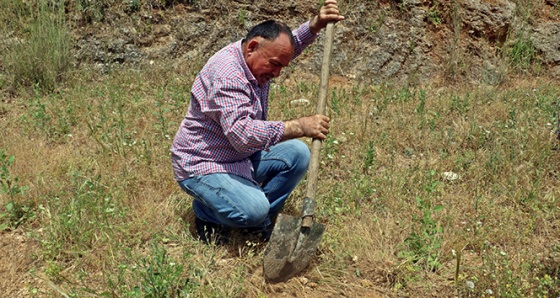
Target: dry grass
[
  {"x": 96, "y": 212},
  {"x": 388, "y": 147}
]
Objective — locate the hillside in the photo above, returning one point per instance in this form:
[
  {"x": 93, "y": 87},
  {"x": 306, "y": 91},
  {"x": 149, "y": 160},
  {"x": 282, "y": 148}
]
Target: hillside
[{"x": 408, "y": 41}]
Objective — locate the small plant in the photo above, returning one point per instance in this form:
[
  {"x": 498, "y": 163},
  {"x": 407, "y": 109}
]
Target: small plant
[
  {"x": 162, "y": 277},
  {"x": 521, "y": 53},
  {"x": 497, "y": 265},
  {"x": 374, "y": 24},
  {"x": 434, "y": 15},
  {"x": 9, "y": 185},
  {"x": 161, "y": 123},
  {"x": 425, "y": 241},
  {"x": 426, "y": 238},
  {"x": 330, "y": 147},
  {"x": 92, "y": 11},
  {"x": 421, "y": 108},
  {"x": 132, "y": 6},
  {"x": 335, "y": 102},
  {"x": 86, "y": 215},
  {"x": 14, "y": 213},
  {"x": 459, "y": 104},
  {"x": 241, "y": 17},
  {"x": 369, "y": 157}
]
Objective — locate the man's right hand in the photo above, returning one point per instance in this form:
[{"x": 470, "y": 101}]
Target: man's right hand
[
  {"x": 316, "y": 126},
  {"x": 328, "y": 13}
]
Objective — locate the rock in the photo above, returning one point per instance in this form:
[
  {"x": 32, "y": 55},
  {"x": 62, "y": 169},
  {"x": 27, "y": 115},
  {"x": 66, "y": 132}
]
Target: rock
[
  {"x": 450, "y": 176},
  {"x": 491, "y": 21},
  {"x": 546, "y": 39},
  {"x": 162, "y": 30},
  {"x": 302, "y": 102}
]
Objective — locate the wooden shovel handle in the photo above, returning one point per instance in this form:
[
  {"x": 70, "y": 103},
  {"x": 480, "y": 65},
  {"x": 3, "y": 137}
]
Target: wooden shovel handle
[{"x": 313, "y": 170}]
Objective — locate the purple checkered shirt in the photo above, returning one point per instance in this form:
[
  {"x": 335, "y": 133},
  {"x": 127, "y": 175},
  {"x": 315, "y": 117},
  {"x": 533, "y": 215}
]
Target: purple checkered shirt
[{"x": 226, "y": 121}]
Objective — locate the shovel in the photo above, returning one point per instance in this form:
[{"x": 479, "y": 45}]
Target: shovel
[{"x": 294, "y": 240}]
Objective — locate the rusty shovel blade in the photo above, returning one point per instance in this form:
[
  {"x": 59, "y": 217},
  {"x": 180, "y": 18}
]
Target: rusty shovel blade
[{"x": 291, "y": 247}]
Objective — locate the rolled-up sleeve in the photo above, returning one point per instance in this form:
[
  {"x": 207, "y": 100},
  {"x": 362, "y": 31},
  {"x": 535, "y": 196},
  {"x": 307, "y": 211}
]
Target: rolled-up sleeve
[{"x": 303, "y": 37}]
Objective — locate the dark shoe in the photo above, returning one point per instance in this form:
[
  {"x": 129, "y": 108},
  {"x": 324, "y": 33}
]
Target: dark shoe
[
  {"x": 211, "y": 233},
  {"x": 263, "y": 234}
]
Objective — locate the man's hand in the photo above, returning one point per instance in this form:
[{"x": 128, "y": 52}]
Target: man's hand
[
  {"x": 329, "y": 12},
  {"x": 316, "y": 126}
]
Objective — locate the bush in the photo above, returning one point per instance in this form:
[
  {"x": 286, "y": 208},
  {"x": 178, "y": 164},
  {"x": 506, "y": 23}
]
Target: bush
[{"x": 42, "y": 56}]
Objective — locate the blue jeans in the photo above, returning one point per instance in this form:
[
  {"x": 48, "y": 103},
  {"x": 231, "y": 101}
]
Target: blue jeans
[{"x": 236, "y": 202}]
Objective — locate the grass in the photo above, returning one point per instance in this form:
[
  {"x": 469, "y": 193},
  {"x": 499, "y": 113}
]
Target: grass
[
  {"x": 107, "y": 204},
  {"x": 86, "y": 176},
  {"x": 42, "y": 57}
]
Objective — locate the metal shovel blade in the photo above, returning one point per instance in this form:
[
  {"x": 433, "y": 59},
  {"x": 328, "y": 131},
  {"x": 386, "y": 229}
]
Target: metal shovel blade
[{"x": 291, "y": 247}]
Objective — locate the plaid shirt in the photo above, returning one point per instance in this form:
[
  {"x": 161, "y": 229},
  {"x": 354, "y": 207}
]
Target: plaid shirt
[{"x": 227, "y": 118}]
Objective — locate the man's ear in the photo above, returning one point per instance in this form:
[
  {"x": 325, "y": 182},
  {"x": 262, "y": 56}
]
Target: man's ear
[{"x": 252, "y": 45}]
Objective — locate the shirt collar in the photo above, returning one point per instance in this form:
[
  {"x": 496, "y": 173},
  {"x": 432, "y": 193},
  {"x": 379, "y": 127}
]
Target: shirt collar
[{"x": 241, "y": 58}]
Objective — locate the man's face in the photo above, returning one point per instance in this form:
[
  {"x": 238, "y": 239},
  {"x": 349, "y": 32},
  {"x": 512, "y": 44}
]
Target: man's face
[{"x": 267, "y": 58}]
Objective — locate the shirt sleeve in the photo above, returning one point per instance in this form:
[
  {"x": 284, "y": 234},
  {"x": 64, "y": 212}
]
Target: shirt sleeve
[
  {"x": 231, "y": 104},
  {"x": 303, "y": 37}
]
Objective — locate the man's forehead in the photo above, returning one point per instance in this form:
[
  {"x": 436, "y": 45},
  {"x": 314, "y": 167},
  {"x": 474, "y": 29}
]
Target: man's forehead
[{"x": 279, "y": 49}]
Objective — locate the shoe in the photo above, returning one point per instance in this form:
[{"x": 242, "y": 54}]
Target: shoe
[
  {"x": 212, "y": 233},
  {"x": 262, "y": 233}
]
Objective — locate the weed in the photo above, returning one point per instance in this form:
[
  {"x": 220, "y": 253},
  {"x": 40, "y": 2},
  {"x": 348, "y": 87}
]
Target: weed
[
  {"x": 335, "y": 102},
  {"x": 421, "y": 108},
  {"x": 426, "y": 239},
  {"x": 330, "y": 147},
  {"x": 53, "y": 116},
  {"x": 132, "y": 6},
  {"x": 526, "y": 9},
  {"x": 425, "y": 242},
  {"x": 45, "y": 56},
  {"x": 8, "y": 183},
  {"x": 548, "y": 286},
  {"x": 241, "y": 17},
  {"x": 497, "y": 267},
  {"x": 86, "y": 215},
  {"x": 460, "y": 104},
  {"x": 160, "y": 113},
  {"x": 93, "y": 11},
  {"x": 521, "y": 53},
  {"x": 434, "y": 14},
  {"x": 369, "y": 158},
  {"x": 15, "y": 213},
  {"x": 374, "y": 24},
  {"x": 162, "y": 276}
]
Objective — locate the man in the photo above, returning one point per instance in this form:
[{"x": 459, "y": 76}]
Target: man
[{"x": 239, "y": 167}]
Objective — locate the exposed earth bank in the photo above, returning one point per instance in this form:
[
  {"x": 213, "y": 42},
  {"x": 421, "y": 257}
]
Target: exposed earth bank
[{"x": 401, "y": 41}]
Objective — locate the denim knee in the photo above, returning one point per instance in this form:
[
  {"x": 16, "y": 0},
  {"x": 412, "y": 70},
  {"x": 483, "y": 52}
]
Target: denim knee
[
  {"x": 301, "y": 155},
  {"x": 254, "y": 220},
  {"x": 253, "y": 214}
]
